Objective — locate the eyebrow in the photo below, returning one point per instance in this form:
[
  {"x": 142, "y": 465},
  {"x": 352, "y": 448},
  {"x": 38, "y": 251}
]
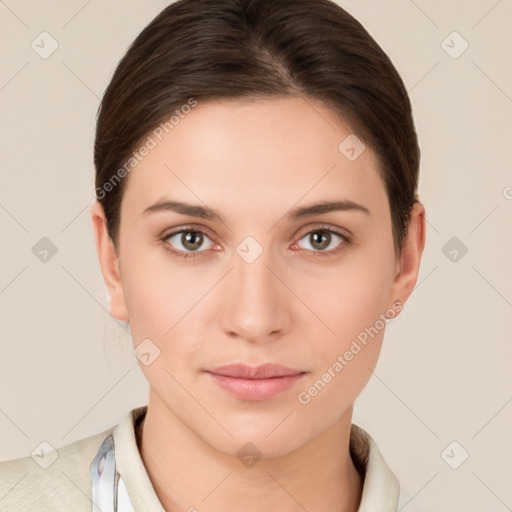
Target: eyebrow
[{"x": 204, "y": 212}]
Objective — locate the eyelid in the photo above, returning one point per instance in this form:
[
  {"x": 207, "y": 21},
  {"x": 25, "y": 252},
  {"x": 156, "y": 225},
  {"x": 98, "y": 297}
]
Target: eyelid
[
  {"x": 187, "y": 227},
  {"x": 324, "y": 227}
]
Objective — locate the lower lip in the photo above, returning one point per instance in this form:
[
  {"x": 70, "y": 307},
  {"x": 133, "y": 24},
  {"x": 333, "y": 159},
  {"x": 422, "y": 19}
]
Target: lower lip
[{"x": 255, "y": 389}]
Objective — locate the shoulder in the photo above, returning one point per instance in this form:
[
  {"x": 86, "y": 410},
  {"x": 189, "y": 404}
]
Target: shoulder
[{"x": 56, "y": 480}]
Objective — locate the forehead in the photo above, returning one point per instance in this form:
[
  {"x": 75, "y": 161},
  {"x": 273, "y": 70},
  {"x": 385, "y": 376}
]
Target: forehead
[{"x": 248, "y": 153}]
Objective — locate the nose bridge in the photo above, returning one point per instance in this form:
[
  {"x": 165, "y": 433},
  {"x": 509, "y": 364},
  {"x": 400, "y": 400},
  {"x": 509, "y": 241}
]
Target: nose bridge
[{"x": 255, "y": 306}]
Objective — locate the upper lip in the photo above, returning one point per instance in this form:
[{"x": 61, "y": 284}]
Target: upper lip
[{"x": 263, "y": 371}]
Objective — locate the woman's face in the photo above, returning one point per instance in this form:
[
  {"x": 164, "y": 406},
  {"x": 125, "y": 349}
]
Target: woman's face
[{"x": 264, "y": 282}]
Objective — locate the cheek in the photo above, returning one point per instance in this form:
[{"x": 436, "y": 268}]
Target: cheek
[
  {"x": 335, "y": 387},
  {"x": 157, "y": 306},
  {"x": 157, "y": 294},
  {"x": 164, "y": 305},
  {"x": 351, "y": 296},
  {"x": 351, "y": 303}
]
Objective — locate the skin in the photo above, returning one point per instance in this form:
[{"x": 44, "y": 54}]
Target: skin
[{"x": 253, "y": 160}]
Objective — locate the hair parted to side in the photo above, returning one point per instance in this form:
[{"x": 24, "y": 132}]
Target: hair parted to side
[{"x": 206, "y": 49}]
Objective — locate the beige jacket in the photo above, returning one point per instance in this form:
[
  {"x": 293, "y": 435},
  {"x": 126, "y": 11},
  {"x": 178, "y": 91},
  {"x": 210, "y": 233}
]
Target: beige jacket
[{"x": 65, "y": 484}]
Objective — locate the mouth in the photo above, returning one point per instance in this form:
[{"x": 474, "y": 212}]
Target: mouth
[{"x": 255, "y": 383}]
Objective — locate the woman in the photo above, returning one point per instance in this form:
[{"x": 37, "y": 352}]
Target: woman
[{"x": 257, "y": 224}]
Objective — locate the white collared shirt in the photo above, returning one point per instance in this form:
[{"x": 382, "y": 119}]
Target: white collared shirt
[{"x": 65, "y": 485}]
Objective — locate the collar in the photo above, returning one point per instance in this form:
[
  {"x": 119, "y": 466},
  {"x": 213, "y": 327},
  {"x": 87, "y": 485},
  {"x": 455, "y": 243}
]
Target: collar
[
  {"x": 381, "y": 489},
  {"x": 120, "y": 482}
]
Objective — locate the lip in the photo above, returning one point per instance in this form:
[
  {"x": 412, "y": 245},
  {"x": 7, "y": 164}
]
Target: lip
[
  {"x": 263, "y": 371},
  {"x": 255, "y": 383}
]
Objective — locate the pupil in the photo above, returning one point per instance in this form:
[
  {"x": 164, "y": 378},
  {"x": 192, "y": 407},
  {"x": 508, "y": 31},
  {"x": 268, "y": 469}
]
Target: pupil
[
  {"x": 190, "y": 236},
  {"x": 321, "y": 234}
]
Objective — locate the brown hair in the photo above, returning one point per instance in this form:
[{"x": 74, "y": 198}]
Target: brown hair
[{"x": 206, "y": 49}]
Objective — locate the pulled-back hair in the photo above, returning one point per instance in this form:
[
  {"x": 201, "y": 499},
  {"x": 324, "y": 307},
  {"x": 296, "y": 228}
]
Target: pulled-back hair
[{"x": 206, "y": 49}]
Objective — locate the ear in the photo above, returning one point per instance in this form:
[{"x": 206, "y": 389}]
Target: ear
[
  {"x": 410, "y": 257},
  {"x": 109, "y": 263}
]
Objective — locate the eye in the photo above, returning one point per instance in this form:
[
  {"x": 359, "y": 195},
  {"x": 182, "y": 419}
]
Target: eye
[
  {"x": 189, "y": 242},
  {"x": 186, "y": 242},
  {"x": 325, "y": 240}
]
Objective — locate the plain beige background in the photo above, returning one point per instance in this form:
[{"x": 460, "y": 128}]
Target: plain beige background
[{"x": 66, "y": 366}]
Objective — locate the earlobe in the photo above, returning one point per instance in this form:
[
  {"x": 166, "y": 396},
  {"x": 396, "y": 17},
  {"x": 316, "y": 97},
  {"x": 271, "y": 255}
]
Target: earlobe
[
  {"x": 410, "y": 257},
  {"x": 109, "y": 263}
]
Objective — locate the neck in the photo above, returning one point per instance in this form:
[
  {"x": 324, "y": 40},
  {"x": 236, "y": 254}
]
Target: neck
[{"x": 185, "y": 473}]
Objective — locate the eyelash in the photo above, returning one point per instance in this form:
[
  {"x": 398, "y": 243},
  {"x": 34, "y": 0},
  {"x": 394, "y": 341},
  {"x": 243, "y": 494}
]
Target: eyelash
[{"x": 346, "y": 242}]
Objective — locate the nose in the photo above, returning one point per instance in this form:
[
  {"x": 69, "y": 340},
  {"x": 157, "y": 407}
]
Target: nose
[{"x": 256, "y": 304}]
